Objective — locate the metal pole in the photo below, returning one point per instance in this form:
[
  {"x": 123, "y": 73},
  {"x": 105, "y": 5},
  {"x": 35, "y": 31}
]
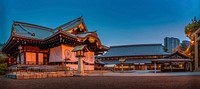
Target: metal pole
[
  {"x": 154, "y": 67},
  {"x": 122, "y": 67}
]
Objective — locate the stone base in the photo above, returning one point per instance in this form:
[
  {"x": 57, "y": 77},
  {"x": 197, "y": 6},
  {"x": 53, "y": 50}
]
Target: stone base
[{"x": 81, "y": 74}]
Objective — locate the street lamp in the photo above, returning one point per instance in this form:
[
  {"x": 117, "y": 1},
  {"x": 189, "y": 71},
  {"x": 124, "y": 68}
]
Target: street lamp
[
  {"x": 80, "y": 53},
  {"x": 122, "y": 64}
]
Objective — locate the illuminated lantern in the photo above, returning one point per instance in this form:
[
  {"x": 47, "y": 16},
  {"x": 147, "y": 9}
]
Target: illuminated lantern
[{"x": 80, "y": 53}]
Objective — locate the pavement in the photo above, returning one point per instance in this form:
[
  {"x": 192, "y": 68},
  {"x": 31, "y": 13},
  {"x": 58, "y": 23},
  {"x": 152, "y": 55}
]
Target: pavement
[
  {"x": 105, "y": 82},
  {"x": 144, "y": 73}
]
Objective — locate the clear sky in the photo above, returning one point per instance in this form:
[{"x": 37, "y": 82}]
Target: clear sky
[{"x": 117, "y": 21}]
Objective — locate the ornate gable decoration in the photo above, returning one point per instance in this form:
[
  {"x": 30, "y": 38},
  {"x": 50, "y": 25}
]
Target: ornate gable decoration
[{"x": 78, "y": 29}]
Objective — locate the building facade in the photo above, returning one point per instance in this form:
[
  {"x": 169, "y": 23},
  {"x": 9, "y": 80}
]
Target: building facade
[
  {"x": 31, "y": 44},
  {"x": 138, "y": 57},
  {"x": 171, "y": 43},
  {"x": 145, "y": 57}
]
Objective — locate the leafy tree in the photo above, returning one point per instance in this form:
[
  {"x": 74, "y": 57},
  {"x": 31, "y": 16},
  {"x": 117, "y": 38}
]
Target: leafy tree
[
  {"x": 183, "y": 47},
  {"x": 165, "y": 49},
  {"x": 3, "y": 65},
  {"x": 189, "y": 29}
]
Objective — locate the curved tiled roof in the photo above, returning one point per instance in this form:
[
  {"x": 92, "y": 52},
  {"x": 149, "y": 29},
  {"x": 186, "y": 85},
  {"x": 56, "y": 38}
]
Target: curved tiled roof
[
  {"x": 72, "y": 24},
  {"x": 44, "y": 34},
  {"x": 31, "y": 31},
  {"x": 135, "y": 50},
  {"x": 40, "y": 32}
]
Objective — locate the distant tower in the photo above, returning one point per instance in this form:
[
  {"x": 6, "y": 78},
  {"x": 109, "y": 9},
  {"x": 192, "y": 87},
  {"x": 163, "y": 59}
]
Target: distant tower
[{"x": 170, "y": 43}]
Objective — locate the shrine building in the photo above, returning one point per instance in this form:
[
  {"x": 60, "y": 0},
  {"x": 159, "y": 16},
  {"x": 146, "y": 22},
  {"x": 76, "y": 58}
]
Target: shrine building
[
  {"x": 31, "y": 44},
  {"x": 144, "y": 57}
]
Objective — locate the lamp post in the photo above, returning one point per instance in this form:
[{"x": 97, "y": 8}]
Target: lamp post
[
  {"x": 122, "y": 64},
  {"x": 80, "y": 53}
]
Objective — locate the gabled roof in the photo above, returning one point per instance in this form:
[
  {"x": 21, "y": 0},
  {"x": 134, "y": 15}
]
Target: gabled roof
[
  {"x": 75, "y": 30},
  {"x": 129, "y": 61},
  {"x": 135, "y": 50},
  {"x": 70, "y": 25},
  {"x": 30, "y": 30},
  {"x": 177, "y": 55}
]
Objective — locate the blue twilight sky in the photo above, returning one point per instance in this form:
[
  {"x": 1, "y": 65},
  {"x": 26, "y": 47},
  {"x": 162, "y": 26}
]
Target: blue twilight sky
[{"x": 117, "y": 21}]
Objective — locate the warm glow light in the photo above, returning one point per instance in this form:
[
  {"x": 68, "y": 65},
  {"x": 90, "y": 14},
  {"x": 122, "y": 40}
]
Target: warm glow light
[
  {"x": 180, "y": 65},
  {"x": 80, "y": 54},
  {"x": 91, "y": 40},
  {"x": 192, "y": 42}
]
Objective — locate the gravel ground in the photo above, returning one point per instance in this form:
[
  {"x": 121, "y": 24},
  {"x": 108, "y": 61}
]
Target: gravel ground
[{"x": 112, "y": 82}]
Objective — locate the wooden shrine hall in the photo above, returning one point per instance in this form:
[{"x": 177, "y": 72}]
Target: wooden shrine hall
[
  {"x": 144, "y": 57},
  {"x": 31, "y": 44},
  {"x": 174, "y": 62}
]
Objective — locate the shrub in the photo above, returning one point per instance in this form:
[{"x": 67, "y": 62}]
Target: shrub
[
  {"x": 3, "y": 68},
  {"x": 3, "y": 65}
]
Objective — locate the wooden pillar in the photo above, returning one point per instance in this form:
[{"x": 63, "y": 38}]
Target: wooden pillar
[
  {"x": 20, "y": 58},
  {"x": 25, "y": 58},
  {"x": 48, "y": 56},
  {"x": 37, "y": 58},
  {"x": 184, "y": 66},
  {"x": 154, "y": 67},
  {"x": 8, "y": 61},
  {"x": 12, "y": 60},
  {"x": 196, "y": 52},
  {"x": 190, "y": 66},
  {"x": 145, "y": 67},
  {"x": 133, "y": 67},
  {"x": 171, "y": 66}
]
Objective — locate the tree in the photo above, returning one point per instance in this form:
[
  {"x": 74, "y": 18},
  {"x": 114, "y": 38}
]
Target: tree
[
  {"x": 3, "y": 65},
  {"x": 189, "y": 29},
  {"x": 184, "y": 47},
  {"x": 165, "y": 49}
]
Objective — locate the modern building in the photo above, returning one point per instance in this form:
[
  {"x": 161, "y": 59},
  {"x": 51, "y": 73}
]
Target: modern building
[
  {"x": 145, "y": 57},
  {"x": 31, "y": 44},
  {"x": 171, "y": 43}
]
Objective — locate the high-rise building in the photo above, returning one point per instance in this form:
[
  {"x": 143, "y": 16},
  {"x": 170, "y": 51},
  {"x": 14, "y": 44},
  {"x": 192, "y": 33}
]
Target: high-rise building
[{"x": 170, "y": 43}]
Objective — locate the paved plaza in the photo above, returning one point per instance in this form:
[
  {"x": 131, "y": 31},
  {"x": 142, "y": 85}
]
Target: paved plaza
[
  {"x": 110, "y": 80},
  {"x": 145, "y": 73}
]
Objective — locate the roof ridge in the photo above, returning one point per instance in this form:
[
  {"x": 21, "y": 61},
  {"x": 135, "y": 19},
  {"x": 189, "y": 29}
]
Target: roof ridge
[
  {"x": 135, "y": 45},
  {"x": 25, "y": 23},
  {"x": 69, "y": 22}
]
